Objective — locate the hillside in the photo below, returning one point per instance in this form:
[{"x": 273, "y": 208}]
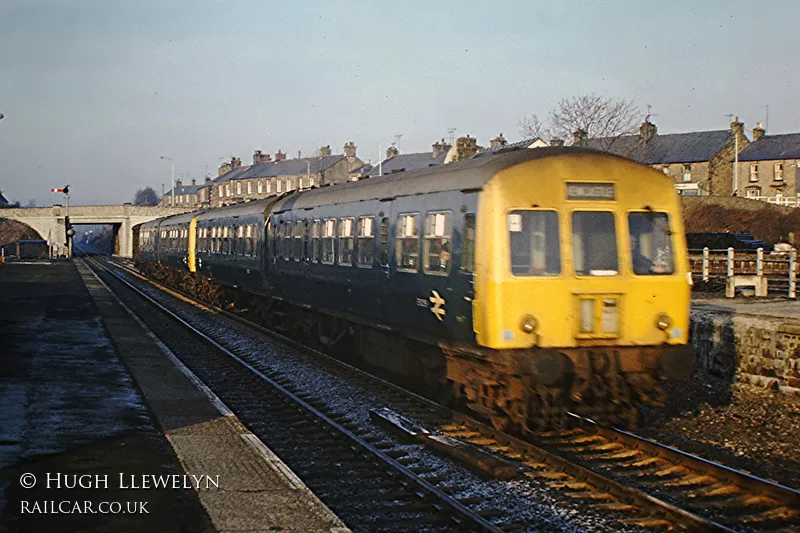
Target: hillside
[{"x": 770, "y": 223}]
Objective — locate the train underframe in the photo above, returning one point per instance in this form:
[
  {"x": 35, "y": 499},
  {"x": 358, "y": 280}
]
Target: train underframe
[{"x": 520, "y": 390}]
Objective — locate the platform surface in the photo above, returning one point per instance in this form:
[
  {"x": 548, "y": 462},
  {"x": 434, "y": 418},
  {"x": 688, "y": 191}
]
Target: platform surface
[{"x": 84, "y": 391}]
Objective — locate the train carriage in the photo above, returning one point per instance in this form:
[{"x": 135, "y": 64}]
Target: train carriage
[{"x": 528, "y": 283}]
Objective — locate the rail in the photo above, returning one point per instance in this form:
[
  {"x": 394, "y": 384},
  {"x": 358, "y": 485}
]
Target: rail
[{"x": 746, "y": 269}]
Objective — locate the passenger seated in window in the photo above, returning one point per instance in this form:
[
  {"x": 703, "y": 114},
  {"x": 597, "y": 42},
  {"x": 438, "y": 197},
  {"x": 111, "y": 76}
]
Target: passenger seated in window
[{"x": 444, "y": 256}]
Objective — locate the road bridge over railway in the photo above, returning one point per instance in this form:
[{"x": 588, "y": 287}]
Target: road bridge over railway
[{"x": 49, "y": 221}]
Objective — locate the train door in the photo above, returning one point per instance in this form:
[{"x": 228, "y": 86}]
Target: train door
[{"x": 384, "y": 262}]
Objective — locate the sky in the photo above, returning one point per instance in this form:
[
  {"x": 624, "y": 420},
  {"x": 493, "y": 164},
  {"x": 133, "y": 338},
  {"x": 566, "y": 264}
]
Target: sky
[{"x": 93, "y": 93}]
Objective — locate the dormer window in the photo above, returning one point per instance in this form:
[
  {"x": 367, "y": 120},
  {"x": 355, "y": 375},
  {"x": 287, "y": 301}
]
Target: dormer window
[
  {"x": 778, "y": 171},
  {"x": 754, "y": 172}
]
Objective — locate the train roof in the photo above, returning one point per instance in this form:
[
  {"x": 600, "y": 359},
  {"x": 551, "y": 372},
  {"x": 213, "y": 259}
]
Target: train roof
[
  {"x": 182, "y": 218},
  {"x": 469, "y": 174},
  {"x": 237, "y": 210}
]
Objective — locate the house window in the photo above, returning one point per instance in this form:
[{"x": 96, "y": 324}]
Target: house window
[
  {"x": 238, "y": 187},
  {"x": 219, "y": 191},
  {"x": 279, "y": 186},
  {"x": 298, "y": 240},
  {"x": 315, "y": 241},
  {"x": 269, "y": 186},
  {"x": 366, "y": 241},
  {"x": 346, "y": 241},
  {"x": 407, "y": 253},
  {"x": 438, "y": 249},
  {"x": 227, "y": 189},
  {"x": 260, "y": 187},
  {"x": 778, "y": 171},
  {"x": 249, "y": 187},
  {"x": 754, "y": 172},
  {"x": 328, "y": 236},
  {"x": 687, "y": 173}
]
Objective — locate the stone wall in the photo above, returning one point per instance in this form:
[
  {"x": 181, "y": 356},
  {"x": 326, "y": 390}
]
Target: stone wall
[{"x": 760, "y": 350}]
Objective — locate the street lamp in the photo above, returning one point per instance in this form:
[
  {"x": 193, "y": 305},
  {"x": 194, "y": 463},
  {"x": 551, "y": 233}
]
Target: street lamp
[{"x": 173, "y": 177}]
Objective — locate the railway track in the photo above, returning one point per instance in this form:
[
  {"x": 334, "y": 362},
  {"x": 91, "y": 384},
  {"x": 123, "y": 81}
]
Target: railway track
[
  {"x": 369, "y": 485},
  {"x": 643, "y": 482}
]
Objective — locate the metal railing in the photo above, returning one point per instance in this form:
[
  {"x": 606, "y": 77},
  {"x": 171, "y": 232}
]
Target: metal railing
[
  {"x": 787, "y": 201},
  {"x": 742, "y": 269}
]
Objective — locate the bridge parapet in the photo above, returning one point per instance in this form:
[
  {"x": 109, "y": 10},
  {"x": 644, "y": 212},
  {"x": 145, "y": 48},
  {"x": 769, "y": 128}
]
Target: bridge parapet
[{"x": 49, "y": 221}]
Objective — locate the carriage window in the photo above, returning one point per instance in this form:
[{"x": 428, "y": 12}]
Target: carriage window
[
  {"x": 328, "y": 236},
  {"x": 226, "y": 241},
  {"x": 366, "y": 242},
  {"x": 651, "y": 249},
  {"x": 594, "y": 243},
  {"x": 534, "y": 243},
  {"x": 287, "y": 240},
  {"x": 240, "y": 242},
  {"x": 407, "y": 243},
  {"x": 438, "y": 243},
  {"x": 468, "y": 259},
  {"x": 306, "y": 238},
  {"x": 346, "y": 241},
  {"x": 383, "y": 251},
  {"x": 298, "y": 239},
  {"x": 315, "y": 241}
]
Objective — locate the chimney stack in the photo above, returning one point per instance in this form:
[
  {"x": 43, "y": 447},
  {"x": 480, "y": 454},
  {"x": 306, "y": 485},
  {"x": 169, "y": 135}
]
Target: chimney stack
[
  {"x": 260, "y": 157},
  {"x": 208, "y": 180},
  {"x": 556, "y": 141},
  {"x": 647, "y": 130},
  {"x": 737, "y": 127},
  {"x": 224, "y": 168},
  {"x": 280, "y": 156},
  {"x": 193, "y": 182},
  {"x": 466, "y": 147},
  {"x": 440, "y": 147},
  {"x": 579, "y": 137},
  {"x": 177, "y": 183},
  {"x": 758, "y": 132},
  {"x": 349, "y": 149},
  {"x": 498, "y": 142},
  {"x": 236, "y": 162},
  {"x": 325, "y": 151},
  {"x": 392, "y": 151}
]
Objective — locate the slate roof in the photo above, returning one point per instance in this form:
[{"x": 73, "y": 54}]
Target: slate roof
[
  {"x": 524, "y": 143},
  {"x": 186, "y": 189},
  {"x": 407, "y": 163},
  {"x": 287, "y": 167},
  {"x": 772, "y": 147},
  {"x": 664, "y": 149}
]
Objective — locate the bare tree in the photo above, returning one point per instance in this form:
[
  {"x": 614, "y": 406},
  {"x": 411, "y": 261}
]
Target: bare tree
[
  {"x": 146, "y": 196},
  {"x": 596, "y": 116},
  {"x": 531, "y": 126}
]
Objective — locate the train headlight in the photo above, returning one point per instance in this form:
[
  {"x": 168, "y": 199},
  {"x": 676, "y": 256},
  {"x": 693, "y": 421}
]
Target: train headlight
[
  {"x": 529, "y": 324},
  {"x": 663, "y": 322}
]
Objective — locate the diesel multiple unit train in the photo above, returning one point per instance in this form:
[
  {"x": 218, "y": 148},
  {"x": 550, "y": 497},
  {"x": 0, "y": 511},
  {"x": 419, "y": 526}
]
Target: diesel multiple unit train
[{"x": 524, "y": 285}]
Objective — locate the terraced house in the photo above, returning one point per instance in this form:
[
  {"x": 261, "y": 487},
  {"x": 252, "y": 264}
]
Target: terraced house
[
  {"x": 188, "y": 195},
  {"x": 768, "y": 168},
  {"x": 267, "y": 177},
  {"x": 699, "y": 162}
]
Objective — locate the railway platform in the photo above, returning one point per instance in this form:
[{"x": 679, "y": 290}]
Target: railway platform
[{"x": 101, "y": 429}]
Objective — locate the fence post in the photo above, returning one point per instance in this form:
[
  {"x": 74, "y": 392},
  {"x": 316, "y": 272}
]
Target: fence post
[
  {"x": 760, "y": 262},
  {"x": 792, "y": 274},
  {"x": 730, "y": 262},
  {"x": 705, "y": 263}
]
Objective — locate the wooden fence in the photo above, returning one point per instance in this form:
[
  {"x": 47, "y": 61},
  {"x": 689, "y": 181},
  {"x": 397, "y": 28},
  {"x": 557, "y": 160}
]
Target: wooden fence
[{"x": 746, "y": 269}]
